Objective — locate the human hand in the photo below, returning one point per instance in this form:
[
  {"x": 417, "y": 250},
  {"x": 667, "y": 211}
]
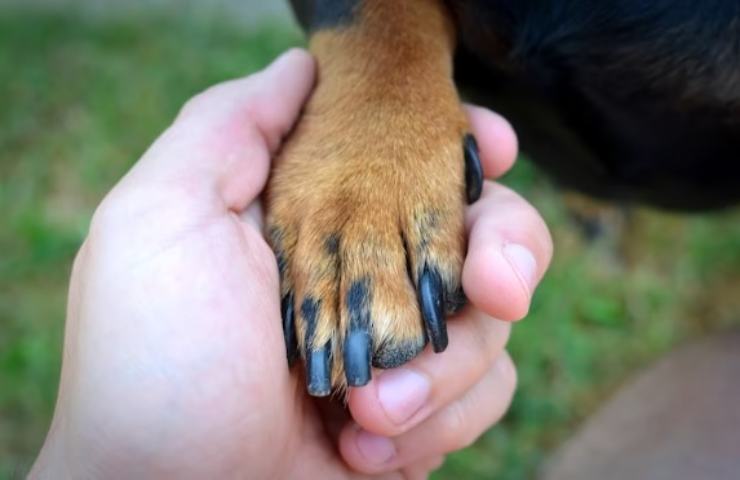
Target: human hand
[{"x": 174, "y": 360}]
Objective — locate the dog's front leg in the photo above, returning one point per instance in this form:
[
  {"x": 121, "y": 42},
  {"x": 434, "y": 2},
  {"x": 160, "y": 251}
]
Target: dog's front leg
[{"x": 366, "y": 200}]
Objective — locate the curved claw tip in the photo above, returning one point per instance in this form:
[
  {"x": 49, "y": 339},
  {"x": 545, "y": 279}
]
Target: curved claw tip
[
  {"x": 473, "y": 169},
  {"x": 430, "y": 296},
  {"x": 318, "y": 371},
  {"x": 357, "y": 358},
  {"x": 291, "y": 341}
]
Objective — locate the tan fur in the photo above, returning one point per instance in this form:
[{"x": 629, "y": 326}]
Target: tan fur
[{"x": 376, "y": 160}]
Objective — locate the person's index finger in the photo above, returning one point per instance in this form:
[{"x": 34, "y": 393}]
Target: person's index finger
[{"x": 496, "y": 139}]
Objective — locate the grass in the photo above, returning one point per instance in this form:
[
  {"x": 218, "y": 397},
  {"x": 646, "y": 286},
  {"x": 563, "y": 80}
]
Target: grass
[{"x": 82, "y": 100}]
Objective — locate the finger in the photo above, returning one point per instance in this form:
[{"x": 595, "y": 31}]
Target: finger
[
  {"x": 397, "y": 400},
  {"x": 223, "y": 138},
  {"x": 509, "y": 249},
  {"x": 455, "y": 427},
  {"x": 496, "y": 140},
  {"x": 422, "y": 468}
]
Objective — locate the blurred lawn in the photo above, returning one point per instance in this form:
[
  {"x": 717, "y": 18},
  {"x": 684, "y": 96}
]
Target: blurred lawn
[{"x": 82, "y": 99}]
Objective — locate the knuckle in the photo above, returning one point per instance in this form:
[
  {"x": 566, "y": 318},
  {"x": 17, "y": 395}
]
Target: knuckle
[
  {"x": 196, "y": 104},
  {"x": 193, "y": 104},
  {"x": 455, "y": 425},
  {"x": 119, "y": 204},
  {"x": 489, "y": 340},
  {"x": 485, "y": 344},
  {"x": 497, "y": 336},
  {"x": 508, "y": 372},
  {"x": 105, "y": 213}
]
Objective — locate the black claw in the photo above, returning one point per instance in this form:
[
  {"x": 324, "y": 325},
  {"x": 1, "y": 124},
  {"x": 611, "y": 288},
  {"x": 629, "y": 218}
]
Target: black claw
[
  {"x": 291, "y": 341},
  {"x": 318, "y": 371},
  {"x": 358, "y": 344},
  {"x": 473, "y": 169},
  {"x": 357, "y": 358},
  {"x": 318, "y": 360},
  {"x": 431, "y": 298}
]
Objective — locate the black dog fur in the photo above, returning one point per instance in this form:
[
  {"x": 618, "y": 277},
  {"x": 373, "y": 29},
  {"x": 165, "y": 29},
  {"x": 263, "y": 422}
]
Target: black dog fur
[{"x": 633, "y": 100}]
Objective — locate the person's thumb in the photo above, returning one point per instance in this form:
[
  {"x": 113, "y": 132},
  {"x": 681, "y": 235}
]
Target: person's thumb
[{"x": 223, "y": 138}]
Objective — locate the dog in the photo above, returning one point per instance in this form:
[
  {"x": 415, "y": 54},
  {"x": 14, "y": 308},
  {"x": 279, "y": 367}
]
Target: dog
[{"x": 629, "y": 100}]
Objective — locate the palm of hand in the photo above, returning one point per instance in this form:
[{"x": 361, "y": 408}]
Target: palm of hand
[{"x": 211, "y": 337}]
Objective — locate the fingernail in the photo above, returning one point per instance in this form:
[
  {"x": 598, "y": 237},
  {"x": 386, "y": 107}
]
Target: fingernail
[
  {"x": 523, "y": 263},
  {"x": 402, "y": 392},
  {"x": 377, "y": 450}
]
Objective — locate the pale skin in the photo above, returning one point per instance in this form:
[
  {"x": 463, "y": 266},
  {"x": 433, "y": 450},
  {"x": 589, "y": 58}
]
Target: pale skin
[{"x": 174, "y": 360}]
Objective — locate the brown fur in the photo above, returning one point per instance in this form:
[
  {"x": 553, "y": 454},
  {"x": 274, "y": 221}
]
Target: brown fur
[{"x": 371, "y": 183}]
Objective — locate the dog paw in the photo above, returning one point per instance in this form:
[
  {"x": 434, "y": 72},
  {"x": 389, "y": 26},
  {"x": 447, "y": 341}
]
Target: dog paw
[{"x": 365, "y": 215}]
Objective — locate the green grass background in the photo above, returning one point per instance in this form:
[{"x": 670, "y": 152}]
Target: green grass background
[{"x": 81, "y": 99}]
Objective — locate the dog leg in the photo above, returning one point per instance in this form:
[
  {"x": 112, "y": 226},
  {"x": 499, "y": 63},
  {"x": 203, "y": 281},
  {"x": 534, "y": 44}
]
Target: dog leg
[{"x": 365, "y": 204}]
